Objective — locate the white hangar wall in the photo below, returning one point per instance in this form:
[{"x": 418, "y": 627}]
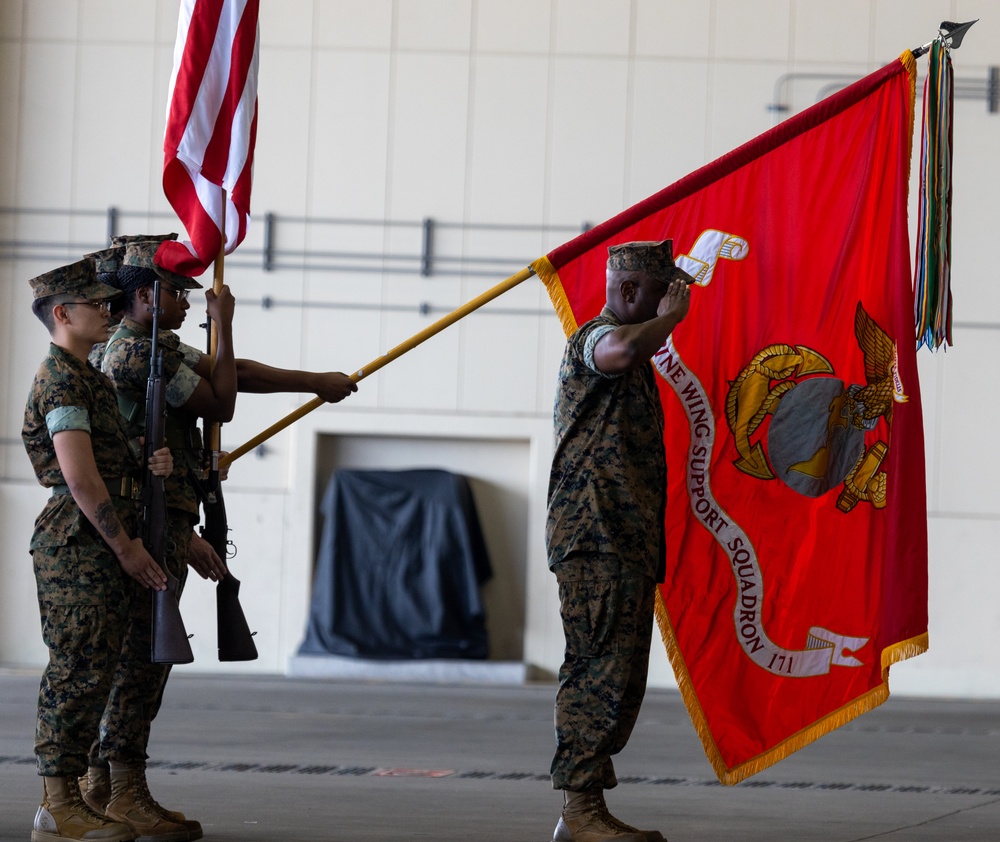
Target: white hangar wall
[{"x": 510, "y": 124}]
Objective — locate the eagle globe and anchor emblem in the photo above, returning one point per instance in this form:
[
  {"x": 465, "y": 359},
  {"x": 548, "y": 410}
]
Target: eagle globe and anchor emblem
[{"x": 816, "y": 438}]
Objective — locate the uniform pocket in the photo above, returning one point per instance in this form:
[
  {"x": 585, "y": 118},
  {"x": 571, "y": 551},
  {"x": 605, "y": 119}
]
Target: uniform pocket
[
  {"x": 79, "y": 637},
  {"x": 590, "y": 604},
  {"x": 70, "y": 575}
]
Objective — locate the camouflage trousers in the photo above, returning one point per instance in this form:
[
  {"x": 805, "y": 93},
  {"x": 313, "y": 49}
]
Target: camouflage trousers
[
  {"x": 137, "y": 683},
  {"x": 83, "y": 600},
  {"x": 607, "y": 616}
]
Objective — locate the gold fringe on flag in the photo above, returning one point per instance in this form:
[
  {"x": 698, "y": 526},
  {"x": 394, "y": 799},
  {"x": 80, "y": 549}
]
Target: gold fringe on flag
[
  {"x": 852, "y": 710},
  {"x": 909, "y": 62},
  {"x": 550, "y": 277}
]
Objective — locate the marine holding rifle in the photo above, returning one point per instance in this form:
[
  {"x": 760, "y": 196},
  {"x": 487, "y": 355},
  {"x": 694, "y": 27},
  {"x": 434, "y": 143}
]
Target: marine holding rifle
[
  {"x": 116, "y": 778},
  {"x": 84, "y": 544},
  {"x": 197, "y": 388}
]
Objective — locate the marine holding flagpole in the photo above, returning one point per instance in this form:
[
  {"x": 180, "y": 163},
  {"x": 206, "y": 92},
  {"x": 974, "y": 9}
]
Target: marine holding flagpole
[
  {"x": 198, "y": 387},
  {"x": 116, "y": 783}
]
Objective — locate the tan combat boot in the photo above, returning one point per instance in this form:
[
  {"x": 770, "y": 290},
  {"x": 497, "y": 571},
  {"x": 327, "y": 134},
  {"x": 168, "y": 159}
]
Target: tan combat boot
[
  {"x": 648, "y": 835},
  {"x": 131, "y": 803},
  {"x": 96, "y": 788},
  {"x": 65, "y": 815},
  {"x": 585, "y": 818},
  {"x": 193, "y": 827}
]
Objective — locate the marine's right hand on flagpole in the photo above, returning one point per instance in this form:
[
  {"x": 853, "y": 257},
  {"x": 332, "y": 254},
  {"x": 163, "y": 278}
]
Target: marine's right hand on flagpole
[{"x": 220, "y": 306}]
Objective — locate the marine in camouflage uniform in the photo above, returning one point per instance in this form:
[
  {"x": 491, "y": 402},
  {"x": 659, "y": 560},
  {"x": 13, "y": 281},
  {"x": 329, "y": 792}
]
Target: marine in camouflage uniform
[
  {"x": 138, "y": 687},
  {"x": 83, "y": 593},
  {"x": 197, "y": 387},
  {"x": 605, "y": 529},
  {"x": 138, "y": 684}
]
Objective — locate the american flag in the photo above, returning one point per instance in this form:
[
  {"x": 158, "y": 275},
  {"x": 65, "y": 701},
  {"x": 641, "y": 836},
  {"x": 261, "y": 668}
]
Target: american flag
[{"x": 211, "y": 129}]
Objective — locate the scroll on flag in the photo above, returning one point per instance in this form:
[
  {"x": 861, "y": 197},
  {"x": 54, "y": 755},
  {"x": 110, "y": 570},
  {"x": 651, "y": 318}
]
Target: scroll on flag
[
  {"x": 211, "y": 129},
  {"x": 796, "y": 514}
]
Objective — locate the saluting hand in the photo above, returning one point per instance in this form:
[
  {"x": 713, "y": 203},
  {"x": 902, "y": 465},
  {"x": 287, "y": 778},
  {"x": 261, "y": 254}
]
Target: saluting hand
[{"x": 676, "y": 300}]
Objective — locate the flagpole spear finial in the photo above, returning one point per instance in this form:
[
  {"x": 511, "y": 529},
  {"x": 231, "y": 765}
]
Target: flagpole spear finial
[{"x": 951, "y": 35}]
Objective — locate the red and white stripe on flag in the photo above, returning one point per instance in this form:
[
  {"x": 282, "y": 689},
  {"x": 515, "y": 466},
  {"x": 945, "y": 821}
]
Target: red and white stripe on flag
[{"x": 211, "y": 129}]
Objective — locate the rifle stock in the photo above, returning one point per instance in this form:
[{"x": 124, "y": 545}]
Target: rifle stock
[
  {"x": 169, "y": 637},
  {"x": 234, "y": 635},
  {"x": 170, "y": 643}
]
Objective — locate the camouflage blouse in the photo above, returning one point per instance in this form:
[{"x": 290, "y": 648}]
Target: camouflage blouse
[
  {"x": 126, "y": 363},
  {"x": 69, "y": 394},
  {"x": 607, "y": 487}
]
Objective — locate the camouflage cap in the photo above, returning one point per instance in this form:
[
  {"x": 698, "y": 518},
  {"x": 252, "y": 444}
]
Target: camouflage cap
[
  {"x": 107, "y": 260},
  {"x": 654, "y": 258},
  {"x": 124, "y": 239},
  {"x": 142, "y": 254},
  {"x": 78, "y": 278}
]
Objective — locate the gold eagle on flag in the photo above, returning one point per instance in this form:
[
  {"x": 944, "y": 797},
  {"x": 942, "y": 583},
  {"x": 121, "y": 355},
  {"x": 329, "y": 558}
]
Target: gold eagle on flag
[{"x": 816, "y": 438}]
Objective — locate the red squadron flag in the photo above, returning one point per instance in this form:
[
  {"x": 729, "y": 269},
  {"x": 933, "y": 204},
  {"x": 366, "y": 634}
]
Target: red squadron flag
[
  {"x": 211, "y": 129},
  {"x": 796, "y": 516}
]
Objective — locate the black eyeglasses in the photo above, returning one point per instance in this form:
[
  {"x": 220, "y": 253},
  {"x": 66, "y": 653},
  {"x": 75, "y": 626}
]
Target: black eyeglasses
[
  {"x": 103, "y": 306},
  {"x": 178, "y": 294}
]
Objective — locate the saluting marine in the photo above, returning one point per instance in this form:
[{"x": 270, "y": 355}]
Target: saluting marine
[{"x": 605, "y": 528}]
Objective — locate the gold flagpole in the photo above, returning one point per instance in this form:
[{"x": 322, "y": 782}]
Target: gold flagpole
[
  {"x": 385, "y": 359},
  {"x": 213, "y": 429}
]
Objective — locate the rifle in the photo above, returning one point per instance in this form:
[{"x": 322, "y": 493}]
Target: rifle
[
  {"x": 234, "y": 635},
  {"x": 169, "y": 638}
]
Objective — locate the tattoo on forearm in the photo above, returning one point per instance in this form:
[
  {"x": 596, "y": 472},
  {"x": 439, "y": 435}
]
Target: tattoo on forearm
[{"x": 107, "y": 519}]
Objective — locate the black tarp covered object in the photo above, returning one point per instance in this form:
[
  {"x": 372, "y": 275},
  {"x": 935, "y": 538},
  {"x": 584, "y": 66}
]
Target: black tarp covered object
[{"x": 401, "y": 560}]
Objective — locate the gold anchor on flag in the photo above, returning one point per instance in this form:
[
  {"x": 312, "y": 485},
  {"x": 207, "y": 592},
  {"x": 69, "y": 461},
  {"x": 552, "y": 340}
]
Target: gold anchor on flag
[{"x": 751, "y": 398}]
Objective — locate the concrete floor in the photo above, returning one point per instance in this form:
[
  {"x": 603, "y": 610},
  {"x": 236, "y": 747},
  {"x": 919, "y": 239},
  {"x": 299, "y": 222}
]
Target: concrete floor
[{"x": 365, "y": 761}]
